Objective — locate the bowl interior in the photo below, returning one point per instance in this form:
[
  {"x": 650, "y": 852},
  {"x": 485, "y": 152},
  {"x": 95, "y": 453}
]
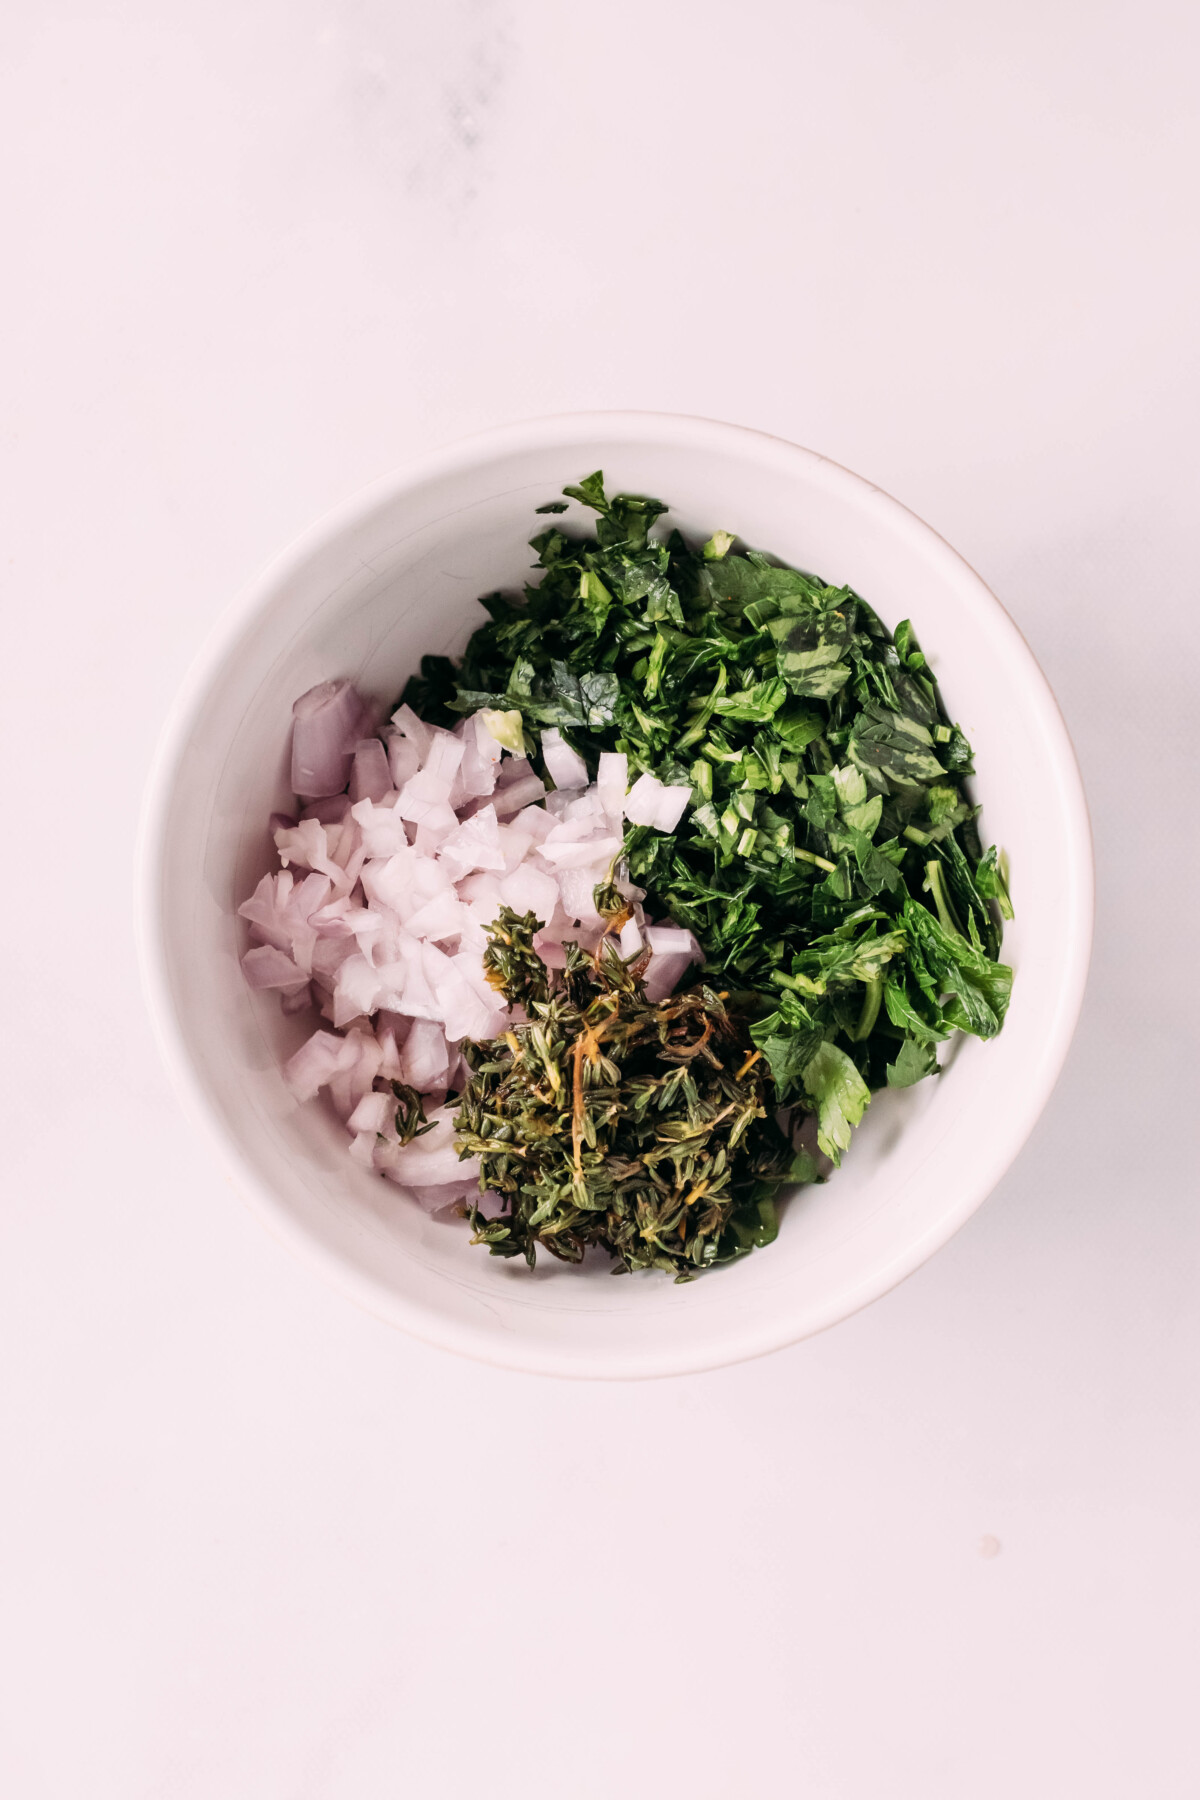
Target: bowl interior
[{"x": 397, "y": 575}]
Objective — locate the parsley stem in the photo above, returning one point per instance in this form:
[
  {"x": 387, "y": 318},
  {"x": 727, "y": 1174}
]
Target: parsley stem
[
  {"x": 707, "y": 707},
  {"x": 872, "y": 999},
  {"x": 935, "y": 883}
]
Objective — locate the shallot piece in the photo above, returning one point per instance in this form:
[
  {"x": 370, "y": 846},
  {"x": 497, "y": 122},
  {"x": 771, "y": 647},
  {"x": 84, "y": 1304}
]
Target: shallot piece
[
  {"x": 267, "y": 967},
  {"x": 371, "y": 778},
  {"x": 315, "y": 1064},
  {"x": 510, "y": 798},
  {"x": 402, "y": 850},
  {"x": 330, "y": 810},
  {"x": 565, "y": 766},
  {"x": 406, "y": 721},
  {"x": 431, "y": 1159},
  {"x": 671, "y": 951},
  {"x": 648, "y": 802},
  {"x": 404, "y": 759},
  {"x": 631, "y": 940},
  {"x": 672, "y": 804},
  {"x": 327, "y": 724},
  {"x": 612, "y": 778},
  {"x": 642, "y": 801}
]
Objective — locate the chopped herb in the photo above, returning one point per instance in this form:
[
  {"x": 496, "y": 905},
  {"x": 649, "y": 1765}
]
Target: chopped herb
[
  {"x": 410, "y": 1113},
  {"x": 645, "y": 1129},
  {"x": 829, "y": 864}
]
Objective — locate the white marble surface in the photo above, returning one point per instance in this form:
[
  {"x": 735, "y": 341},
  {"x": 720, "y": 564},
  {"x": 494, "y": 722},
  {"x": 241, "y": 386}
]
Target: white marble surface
[{"x": 255, "y": 1546}]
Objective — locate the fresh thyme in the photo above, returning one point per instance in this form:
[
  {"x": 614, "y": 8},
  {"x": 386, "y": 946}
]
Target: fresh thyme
[{"x": 645, "y": 1129}]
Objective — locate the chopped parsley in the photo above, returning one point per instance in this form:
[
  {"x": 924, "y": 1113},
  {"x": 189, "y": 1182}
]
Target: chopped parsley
[{"x": 829, "y": 863}]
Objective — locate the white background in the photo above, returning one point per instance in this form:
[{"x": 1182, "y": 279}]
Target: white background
[{"x": 258, "y": 1547}]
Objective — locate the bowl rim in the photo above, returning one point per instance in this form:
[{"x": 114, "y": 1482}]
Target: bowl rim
[{"x": 667, "y": 429}]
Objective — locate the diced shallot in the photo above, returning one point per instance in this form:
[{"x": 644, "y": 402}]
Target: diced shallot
[
  {"x": 648, "y": 802},
  {"x": 268, "y": 967},
  {"x": 385, "y": 935},
  {"x": 444, "y": 1194},
  {"x": 330, "y": 811},
  {"x": 535, "y": 822},
  {"x": 509, "y": 800},
  {"x": 571, "y": 852},
  {"x": 358, "y": 989},
  {"x": 315, "y": 1064},
  {"x": 565, "y": 767},
  {"x": 404, "y": 759},
  {"x": 382, "y": 828},
  {"x": 371, "y": 777},
  {"x": 631, "y": 939},
  {"x": 441, "y": 918},
  {"x": 355, "y": 1076},
  {"x": 327, "y": 723},
  {"x": 528, "y": 890},
  {"x": 434, "y": 829},
  {"x": 443, "y": 757},
  {"x": 425, "y": 1058},
  {"x": 422, "y": 794},
  {"x": 612, "y": 778},
  {"x": 671, "y": 951},
  {"x": 481, "y": 755},
  {"x": 431, "y": 1159},
  {"x": 372, "y": 1113},
  {"x": 472, "y": 845},
  {"x": 672, "y": 804},
  {"x": 578, "y": 888},
  {"x": 406, "y": 721},
  {"x": 642, "y": 800},
  {"x": 512, "y": 769},
  {"x": 328, "y": 956},
  {"x": 281, "y": 910}
]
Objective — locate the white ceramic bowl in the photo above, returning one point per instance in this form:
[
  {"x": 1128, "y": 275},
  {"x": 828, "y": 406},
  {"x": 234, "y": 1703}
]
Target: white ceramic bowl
[{"x": 395, "y": 574}]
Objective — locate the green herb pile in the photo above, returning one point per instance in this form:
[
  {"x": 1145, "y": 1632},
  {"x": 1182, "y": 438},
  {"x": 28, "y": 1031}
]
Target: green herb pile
[
  {"x": 645, "y": 1128},
  {"x": 829, "y": 863}
]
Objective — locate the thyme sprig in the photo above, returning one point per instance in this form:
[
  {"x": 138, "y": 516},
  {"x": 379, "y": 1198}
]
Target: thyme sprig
[{"x": 604, "y": 1119}]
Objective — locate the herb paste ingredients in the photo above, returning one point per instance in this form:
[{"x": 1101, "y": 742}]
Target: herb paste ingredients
[{"x": 662, "y": 764}]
